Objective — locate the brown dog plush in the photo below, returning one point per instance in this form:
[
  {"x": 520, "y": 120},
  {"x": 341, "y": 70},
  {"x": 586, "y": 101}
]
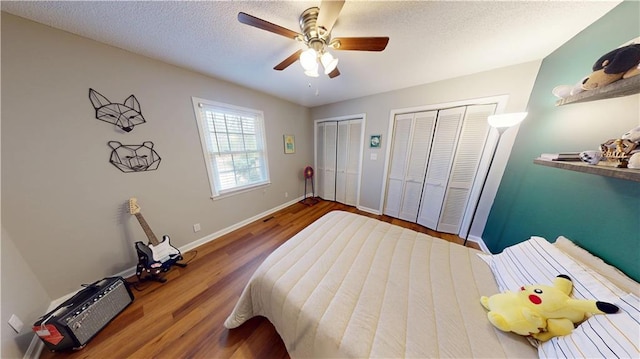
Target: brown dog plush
[{"x": 613, "y": 66}]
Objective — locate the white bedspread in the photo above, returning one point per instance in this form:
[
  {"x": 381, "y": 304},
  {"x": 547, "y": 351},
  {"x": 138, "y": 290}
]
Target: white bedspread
[{"x": 353, "y": 286}]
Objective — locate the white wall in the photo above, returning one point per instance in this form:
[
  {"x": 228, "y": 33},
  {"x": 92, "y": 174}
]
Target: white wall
[
  {"x": 22, "y": 295},
  {"x": 65, "y": 206},
  {"x": 514, "y": 81}
]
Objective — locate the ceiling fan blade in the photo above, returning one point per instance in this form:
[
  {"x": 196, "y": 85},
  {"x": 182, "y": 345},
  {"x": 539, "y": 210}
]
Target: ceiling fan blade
[
  {"x": 288, "y": 61},
  {"x": 266, "y": 25},
  {"x": 329, "y": 11},
  {"x": 360, "y": 43},
  {"x": 334, "y": 73}
]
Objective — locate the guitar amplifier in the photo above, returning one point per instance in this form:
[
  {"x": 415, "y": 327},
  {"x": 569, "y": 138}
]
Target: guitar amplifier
[{"x": 73, "y": 323}]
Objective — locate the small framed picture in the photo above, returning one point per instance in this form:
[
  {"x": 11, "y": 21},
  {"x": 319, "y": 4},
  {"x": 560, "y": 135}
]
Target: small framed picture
[
  {"x": 289, "y": 144},
  {"x": 375, "y": 141}
]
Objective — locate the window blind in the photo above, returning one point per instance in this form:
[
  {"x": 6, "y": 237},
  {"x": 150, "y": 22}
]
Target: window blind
[{"x": 234, "y": 146}]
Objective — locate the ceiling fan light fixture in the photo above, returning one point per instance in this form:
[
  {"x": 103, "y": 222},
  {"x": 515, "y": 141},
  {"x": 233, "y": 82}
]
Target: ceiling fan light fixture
[
  {"x": 328, "y": 62},
  {"x": 308, "y": 60},
  {"x": 312, "y": 72},
  {"x": 316, "y": 27}
]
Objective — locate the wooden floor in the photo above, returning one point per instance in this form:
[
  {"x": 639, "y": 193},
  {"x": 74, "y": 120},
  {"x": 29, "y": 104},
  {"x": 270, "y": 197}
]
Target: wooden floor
[{"x": 183, "y": 318}]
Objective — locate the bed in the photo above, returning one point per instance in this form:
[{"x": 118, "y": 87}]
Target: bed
[{"x": 353, "y": 286}]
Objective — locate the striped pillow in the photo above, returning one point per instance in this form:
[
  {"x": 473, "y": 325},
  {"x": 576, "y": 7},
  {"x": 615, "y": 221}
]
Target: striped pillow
[
  {"x": 536, "y": 261},
  {"x": 601, "y": 336}
]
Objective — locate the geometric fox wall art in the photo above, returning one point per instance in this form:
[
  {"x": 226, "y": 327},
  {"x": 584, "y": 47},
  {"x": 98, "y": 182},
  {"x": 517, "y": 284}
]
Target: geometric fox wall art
[{"x": 124, "y": 115}]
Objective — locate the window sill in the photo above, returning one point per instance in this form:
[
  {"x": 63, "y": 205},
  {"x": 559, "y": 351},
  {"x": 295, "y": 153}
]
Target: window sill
[{"x": 241, "y": 190}]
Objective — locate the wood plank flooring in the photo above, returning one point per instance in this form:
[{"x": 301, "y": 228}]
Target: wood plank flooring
[{"x": 183, "y": 318}]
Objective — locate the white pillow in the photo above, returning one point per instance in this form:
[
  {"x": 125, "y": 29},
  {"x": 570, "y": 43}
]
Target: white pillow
[
  {"x": 613, "y": 274},
  {"x": 601, "y": 336},
  {"x": 536, "y": 261}
]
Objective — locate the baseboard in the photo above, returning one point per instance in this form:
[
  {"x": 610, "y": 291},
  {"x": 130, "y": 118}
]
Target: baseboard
[
  {"x": 222, "y": 232},
  {"x": 369, "y": 210},
  {"x": 474, "y": 239},
  {"x": 480, "y": 243},
  {"x": 35, "y": 348}
]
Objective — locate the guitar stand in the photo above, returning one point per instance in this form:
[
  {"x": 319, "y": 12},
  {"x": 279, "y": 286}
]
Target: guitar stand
[{"x": 153, "y": 274}]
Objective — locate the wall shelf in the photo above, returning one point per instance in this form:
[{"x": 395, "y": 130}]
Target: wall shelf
[
  {"x": 624, "y": 87},
  {"x": 620, "y": 173}
]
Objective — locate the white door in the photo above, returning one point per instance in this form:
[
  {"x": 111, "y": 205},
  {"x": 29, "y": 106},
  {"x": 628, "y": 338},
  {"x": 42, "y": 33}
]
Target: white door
[
  {"x": 353, "y": 163},
  {"x": 411, "y": 144},
  {"x": 439, "y": 167},
  {"x": 342, "y": 155},
  {"x": 421, "y": 137},
  {"x": 328, "y": 190},
  {"x": 397, "y": 167},
  {"x": 319, "y": 170},
  {"x": 473, "y": 136},
  {"x": 338, "y": 156}
]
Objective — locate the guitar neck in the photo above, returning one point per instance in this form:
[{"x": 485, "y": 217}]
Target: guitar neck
[{"x": 147, "y": 230}]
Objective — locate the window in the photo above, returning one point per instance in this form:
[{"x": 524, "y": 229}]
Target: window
[{"x": 234, "y": 146}]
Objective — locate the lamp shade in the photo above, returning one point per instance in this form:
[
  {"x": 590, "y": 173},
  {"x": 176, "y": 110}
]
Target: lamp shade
[
  {"x": 506, "y": 120},
  {"x": 312, "y": 72},
  {"x": 328, "y": 62},
  {"x": 308, "y": 60}
]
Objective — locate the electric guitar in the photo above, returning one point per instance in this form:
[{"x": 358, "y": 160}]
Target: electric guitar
[{"x": 156, "y": 254}]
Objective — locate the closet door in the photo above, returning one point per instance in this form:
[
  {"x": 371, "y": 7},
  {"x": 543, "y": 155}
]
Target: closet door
[
  {"x": 421, "y": 136},
  {"x": 397, "y": 167},
  {"x": 439, "y": 167},
  {"x": 342, "y": 156},
  {"x": 472, "y": 140},
  {"x": 338, "y": 153},
  {"x": 328, "y": 190},
  {"x": 410, "y": 152},
  {"x": 319, "y": 170},
  {"x": 354, "y": 151}
]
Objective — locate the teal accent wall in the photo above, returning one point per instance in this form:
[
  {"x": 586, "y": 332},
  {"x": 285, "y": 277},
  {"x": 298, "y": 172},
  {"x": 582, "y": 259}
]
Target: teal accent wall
[{"x": 600, "y": 214}]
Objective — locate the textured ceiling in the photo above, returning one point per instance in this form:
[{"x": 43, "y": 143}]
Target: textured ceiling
[{"x": 429, "y": 40}]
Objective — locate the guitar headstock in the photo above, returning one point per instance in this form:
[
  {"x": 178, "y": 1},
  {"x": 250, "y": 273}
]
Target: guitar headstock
[{"x": 133, "y": 206}]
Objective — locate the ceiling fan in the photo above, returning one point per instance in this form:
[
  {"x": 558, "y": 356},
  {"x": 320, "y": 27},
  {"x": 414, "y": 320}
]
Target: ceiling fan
[{"x": 316, "y": 25}]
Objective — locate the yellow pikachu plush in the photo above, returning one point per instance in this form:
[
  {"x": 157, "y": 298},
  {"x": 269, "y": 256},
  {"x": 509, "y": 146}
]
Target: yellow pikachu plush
[
  {"x": 507, "y": 313},
  {"x": 541, "y": 311},
  {"x": 560, "y": 310}
]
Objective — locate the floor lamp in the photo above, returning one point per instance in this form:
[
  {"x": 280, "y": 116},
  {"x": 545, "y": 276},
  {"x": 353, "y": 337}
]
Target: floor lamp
[{"x": 501, "y": 123}]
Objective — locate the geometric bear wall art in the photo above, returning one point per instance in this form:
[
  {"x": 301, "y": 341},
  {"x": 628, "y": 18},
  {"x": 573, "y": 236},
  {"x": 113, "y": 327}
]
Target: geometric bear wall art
[
  {"x": 124, "y": 115},
  {"x": 134, "y": 158}
]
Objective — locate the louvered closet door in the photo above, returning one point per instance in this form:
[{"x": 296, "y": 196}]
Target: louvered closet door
[
  {"x": 342, "y": 156},
  {"x": 353, "y": 162},
  {"x": 465, "y": 165},
  {"x": 319, "y": 170},
  {"x": 328, "y": 190},
  {"x": 397, "y": 167},
  {"x": 411, "y": 144},
  {"x": 439, "y": 167},
  {"x": 338, "y": 155},
  {"x": 421, "y": 136}
]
